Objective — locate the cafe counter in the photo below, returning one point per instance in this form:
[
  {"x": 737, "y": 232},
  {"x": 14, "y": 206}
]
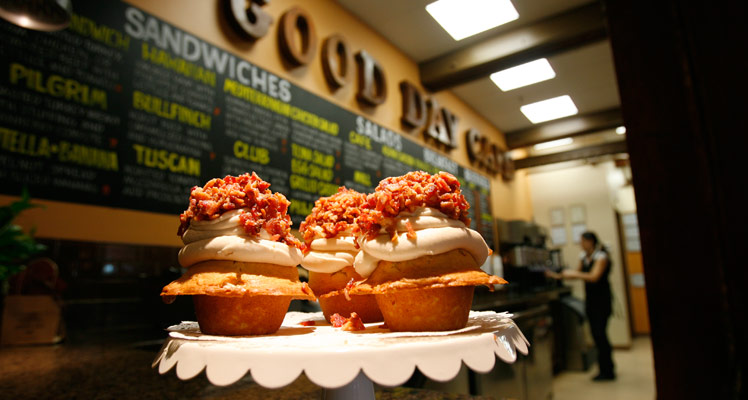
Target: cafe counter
[{"x": 124, "y": 372}]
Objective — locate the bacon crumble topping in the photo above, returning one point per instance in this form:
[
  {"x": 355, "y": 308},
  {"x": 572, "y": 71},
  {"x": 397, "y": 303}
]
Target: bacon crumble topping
[
  {"x": 353, "y": 323},
  {"x": 405, "y": 193},
  {"x": 337, "y": 320},
  {"x": 263, "y": 209},
  {"x": 332, "y": 215}
]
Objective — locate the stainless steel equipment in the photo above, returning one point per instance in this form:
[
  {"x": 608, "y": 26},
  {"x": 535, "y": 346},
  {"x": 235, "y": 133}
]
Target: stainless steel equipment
[{"x": 531, "y": 376}]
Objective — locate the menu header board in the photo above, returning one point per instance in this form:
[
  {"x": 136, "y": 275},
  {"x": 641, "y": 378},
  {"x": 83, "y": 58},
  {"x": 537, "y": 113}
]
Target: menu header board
[{"x": 124, "y": 110}]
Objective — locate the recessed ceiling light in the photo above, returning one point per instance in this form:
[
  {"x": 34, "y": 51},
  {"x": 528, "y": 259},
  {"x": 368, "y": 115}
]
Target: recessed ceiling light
[
  {"x": 553, "y": 143},
  {"x": 621, "y": 130},
  {"x": 523, "y": 75},
  {"x": 464, "y": 18},
  {"x": 546, "y": 110}
]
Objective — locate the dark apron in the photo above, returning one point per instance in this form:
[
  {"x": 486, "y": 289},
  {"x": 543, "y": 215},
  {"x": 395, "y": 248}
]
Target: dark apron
[{"x": 598, "y": 295}]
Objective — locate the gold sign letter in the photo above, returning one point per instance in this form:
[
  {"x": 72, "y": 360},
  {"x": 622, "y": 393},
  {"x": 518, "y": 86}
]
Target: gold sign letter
[
  {"x": 297, "y": 54},
  {"x": 442, "y": 125},
  {"x": 414, "y": 106},
  {"x": 248, "y": 18},
  {"x": 336, "y": 59},
  {"x": 372, "y": 88}
]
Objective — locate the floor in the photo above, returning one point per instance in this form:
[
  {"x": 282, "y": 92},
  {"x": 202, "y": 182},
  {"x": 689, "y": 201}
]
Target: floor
[{"x": 635, "y": 378}]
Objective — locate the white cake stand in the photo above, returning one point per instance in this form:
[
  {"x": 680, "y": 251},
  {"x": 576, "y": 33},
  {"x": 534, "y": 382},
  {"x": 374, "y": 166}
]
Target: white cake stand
[{"x": 343, "y": 363}]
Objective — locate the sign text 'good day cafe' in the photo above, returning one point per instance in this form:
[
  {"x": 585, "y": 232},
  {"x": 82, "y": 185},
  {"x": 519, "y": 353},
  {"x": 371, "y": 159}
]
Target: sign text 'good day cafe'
[{"x": 298, "y": 44}]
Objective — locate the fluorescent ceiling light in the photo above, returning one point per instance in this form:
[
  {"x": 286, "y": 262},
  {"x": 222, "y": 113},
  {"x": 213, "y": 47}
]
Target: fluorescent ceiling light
[
  {"x": 546, "y": 110},
  {"x": 523, "y": 75},
  {"x": 553, "y": 143},
  {"x": 463, "y": 18},
  {"x": 621, "y": 130}
]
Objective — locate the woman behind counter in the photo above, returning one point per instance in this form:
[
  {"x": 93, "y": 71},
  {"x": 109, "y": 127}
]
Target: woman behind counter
[{"x": 594, "y": 268}]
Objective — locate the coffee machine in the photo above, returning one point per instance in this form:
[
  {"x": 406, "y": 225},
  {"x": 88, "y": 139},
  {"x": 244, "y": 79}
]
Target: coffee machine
[{"x": 525, "y": 255}]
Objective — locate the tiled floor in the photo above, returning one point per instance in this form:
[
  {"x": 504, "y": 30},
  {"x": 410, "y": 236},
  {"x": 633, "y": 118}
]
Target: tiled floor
[{"x": 635, "y": 378}]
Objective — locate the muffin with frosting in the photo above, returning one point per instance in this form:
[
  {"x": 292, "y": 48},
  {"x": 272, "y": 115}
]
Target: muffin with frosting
[
  {"x": 419, "y": 258},
  {"x": 241, "y": 257},
  {"x": 329, "y": 255}
]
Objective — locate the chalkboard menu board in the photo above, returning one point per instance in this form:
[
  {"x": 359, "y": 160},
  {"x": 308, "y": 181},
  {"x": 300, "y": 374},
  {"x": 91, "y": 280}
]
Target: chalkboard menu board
[{"x": 124, "y": 110}]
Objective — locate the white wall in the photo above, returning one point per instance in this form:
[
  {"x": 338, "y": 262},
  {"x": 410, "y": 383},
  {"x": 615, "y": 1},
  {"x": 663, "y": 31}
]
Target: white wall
[{"x": 595, "y": 187}]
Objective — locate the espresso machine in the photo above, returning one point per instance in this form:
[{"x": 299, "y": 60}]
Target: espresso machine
[{"x": 526, "y": 256}]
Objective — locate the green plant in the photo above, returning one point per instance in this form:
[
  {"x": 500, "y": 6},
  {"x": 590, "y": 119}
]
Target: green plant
[{"x": 16, "y": 246}]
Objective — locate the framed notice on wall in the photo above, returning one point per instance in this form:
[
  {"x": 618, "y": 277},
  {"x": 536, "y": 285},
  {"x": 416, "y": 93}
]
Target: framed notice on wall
[
  {"x": 557, "y": 216},
  {"x": 578, "y": 214},
  {"x": 558, "y": 235}
]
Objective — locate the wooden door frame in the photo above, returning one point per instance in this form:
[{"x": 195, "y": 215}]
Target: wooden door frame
[
  {"x": 681, "y": 75},
  {"x": 625, "y": 265}
]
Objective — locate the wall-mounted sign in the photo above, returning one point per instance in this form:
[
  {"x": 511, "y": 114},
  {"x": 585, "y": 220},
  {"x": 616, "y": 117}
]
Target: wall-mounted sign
[
  {"x": 577, "y": 214},
  {"x": 557, "y": 216},
  {"x": 418, "y": 112},
  {"x": 298, "y": 40},
  {"x": 124, "y": 110}
]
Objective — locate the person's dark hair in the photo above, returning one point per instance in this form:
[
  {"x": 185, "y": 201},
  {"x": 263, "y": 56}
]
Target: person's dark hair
[{"x": 592, "y": 237}]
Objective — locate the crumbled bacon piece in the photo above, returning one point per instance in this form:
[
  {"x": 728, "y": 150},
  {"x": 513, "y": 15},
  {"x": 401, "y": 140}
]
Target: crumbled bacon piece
[
  {"x": 347, "y": 288},
  {"x": 332, "y": 215},
  {"x": 354, "y": 323},
  {"x": 411, "y": 231},
  {"x": 307, "y": 323},
  {"x": 337, "y": 320},
  {"x": 262, "y": 207},
  {"x": 406, "y": 193},
  {"x": 305, "y": 288}
]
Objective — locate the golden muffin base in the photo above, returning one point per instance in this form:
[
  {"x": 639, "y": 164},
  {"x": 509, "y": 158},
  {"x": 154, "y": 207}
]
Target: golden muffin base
[
  {"x": 425, "y": 310},
  {"x": 430, "y": 293},
  {"x": 330, "y": 289},
  {"x": 239, "y": 279},
  {"x": 239, "y": 316},
  {"x": 451, "y": 269},
  {"x": 239, "y": 298}
]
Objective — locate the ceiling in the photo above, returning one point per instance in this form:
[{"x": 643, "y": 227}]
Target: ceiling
[
  {"x": 586, "y": 72},
  {"x": 407, "y": 25}
]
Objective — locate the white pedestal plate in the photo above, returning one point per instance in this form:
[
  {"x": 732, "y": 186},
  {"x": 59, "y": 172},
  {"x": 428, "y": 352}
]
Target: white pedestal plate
[{"x": 343, "y": 363}]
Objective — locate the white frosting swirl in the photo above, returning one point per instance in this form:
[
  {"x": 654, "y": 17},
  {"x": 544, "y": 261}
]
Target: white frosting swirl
[
  {"x": 330, "y": 255},
  {"x": 224, "y": 238},
  {"x": 435, "y": 234}
]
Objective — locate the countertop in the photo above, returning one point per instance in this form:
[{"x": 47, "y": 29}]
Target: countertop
[
  {"x": 96, "y": 368},
  {"x": 120, "y": 372},
  {"x": 511, "y": 299}
]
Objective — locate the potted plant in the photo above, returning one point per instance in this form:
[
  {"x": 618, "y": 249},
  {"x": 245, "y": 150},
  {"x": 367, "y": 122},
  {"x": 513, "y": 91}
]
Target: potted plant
[{"x": 16, "y": 246}]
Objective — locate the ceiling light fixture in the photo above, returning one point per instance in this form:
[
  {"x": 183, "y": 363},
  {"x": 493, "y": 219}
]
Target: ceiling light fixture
[
  {"x": 553, "y": 143},
  {"x": 546, "y": 110},
  {"x": 40, "y": 15},
  {"x": 621, "y": 130},
  {"x": 464, "y": 18},
  {"x": 523, "y": 75}
]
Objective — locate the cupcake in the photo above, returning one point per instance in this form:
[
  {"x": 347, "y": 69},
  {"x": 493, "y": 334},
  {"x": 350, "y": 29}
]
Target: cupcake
[
  {"x": 419, "y": 258},
  {"x": 329, "y": 254},
  {"x": 240, "y": 255}
]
